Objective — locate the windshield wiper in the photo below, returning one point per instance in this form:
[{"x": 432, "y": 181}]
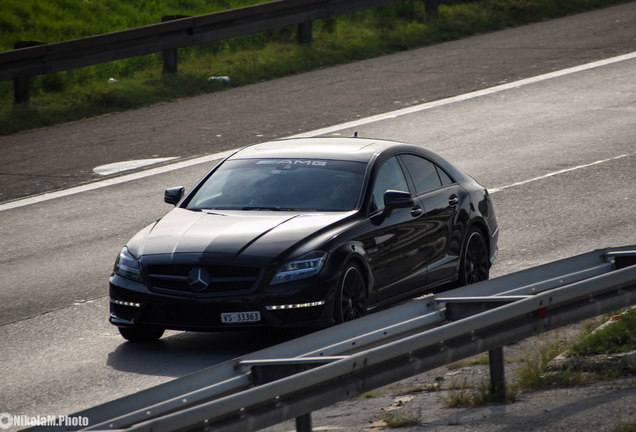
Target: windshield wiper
[
  {"x": 277, "y": 208},
  {"x": 208, "y": 211}
]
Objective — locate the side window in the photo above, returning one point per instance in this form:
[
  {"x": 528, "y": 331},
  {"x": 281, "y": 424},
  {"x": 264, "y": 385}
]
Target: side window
[
  {"x": 390, "y": 177},
  {"x": 426, "y": 175},
  {"x": 446, "y": 180}
]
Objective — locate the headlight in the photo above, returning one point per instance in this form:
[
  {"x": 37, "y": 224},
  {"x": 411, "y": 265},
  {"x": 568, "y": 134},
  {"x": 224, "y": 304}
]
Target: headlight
[
  {"x": 306, "y": 266},
  {"x": 127, "y": 266}
]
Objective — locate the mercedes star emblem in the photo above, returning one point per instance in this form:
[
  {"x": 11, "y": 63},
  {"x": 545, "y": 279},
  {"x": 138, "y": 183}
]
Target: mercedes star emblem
[{"x": 199, "y": 279}]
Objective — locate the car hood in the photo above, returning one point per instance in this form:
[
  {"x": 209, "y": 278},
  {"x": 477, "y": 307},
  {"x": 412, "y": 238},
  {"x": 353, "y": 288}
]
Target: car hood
[{"x": 261, "y": 233}]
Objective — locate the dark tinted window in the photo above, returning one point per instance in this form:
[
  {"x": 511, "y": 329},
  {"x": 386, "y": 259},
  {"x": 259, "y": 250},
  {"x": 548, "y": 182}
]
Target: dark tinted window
[
  {"x": 280, "y": 184},
  {"x": 390, "y": 177},
  {"x": 446, "y": 180},
  {"x": 423, "y": 172}
]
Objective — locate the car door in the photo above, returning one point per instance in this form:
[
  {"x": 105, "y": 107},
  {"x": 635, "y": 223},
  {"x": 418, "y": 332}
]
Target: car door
[
  {"x": 440, "y": 198},
  {"x": 395, "y": 263}
]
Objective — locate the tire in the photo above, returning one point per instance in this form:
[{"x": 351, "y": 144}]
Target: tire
[
  {"x": 141, "y": 334},
  {"x": 351, "y": 297},
  {"x": 475, "y": 265}
]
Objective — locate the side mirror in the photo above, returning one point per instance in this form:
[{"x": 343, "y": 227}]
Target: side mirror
[
  {"x": 397, "y": 199},
  {"x": 174, "y": 195},
  {"x": 392, "y": 200}
]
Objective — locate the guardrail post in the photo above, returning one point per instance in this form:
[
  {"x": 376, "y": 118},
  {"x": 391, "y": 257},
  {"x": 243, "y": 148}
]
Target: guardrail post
[
  {"x": 497, "y": 374},
  {"x": 432, "y": 7},
  {"x": 303, "y": 423},
  {"x": 305, "y": 34},
  {"x": 21, "y": 92},
  {"x": 170, "y": 61},
  {"x": 271, "y": 371},
  {"x": 170, "y": 56}
]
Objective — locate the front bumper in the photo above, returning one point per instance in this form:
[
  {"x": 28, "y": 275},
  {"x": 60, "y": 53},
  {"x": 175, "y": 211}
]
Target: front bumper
[{"x": 133, "y": 304}]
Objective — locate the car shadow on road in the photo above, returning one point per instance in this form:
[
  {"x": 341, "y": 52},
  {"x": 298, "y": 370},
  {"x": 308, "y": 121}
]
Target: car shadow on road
[{"x": 180, "y": 353}]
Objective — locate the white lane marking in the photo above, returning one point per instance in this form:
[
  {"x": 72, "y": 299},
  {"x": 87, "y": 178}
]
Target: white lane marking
[
  {"x": 392, "y": 114},
  {"x": 467, "y": 96},
  {"x": 494, "y": 190},
  {"x": 114, "y": 181},
  {"x": 118, "y": 167}
]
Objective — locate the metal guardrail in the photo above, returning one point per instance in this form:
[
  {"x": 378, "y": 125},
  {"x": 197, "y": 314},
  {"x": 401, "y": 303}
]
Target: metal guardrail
[
  {"x": 229, "y": 378},
  {"x": 167, "y": 37},
  {"x": 295, "y": 378}
]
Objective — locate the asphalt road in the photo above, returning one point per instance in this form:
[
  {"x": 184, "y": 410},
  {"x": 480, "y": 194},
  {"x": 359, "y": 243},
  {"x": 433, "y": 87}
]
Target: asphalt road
[
  {"x": 59, "y": 157},
  {"x": 558, "y": 155}
]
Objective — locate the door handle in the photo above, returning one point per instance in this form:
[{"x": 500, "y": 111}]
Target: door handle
[
  {"x": 416, "y": 211},
  {"x": 453, "y": 200}
]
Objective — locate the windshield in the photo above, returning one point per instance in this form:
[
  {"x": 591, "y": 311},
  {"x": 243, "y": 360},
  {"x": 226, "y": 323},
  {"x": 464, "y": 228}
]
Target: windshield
[{"x": 275, "y": 184}]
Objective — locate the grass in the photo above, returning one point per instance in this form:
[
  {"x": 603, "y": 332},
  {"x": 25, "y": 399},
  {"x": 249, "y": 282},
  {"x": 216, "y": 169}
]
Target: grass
[
  {"x": 72, "y": 19},
  {"x": 86, "y": 92},
  {"x": 369, "y": 395},
  {"x": 481, "y": 359},
  {"x": 615, "y": 338},
  {"x": 627, "y": 427},
  {"x": 477, "y": 394},
  {"x": 619, "y": 337},
  {"x": 398, "y": 419},
  {"x": 530, "y": 372}
]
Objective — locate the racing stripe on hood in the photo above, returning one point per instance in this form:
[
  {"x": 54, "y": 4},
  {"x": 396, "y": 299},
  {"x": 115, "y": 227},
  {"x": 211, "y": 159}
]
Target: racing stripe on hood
[
  {"x": 185, "y": 231},
  {"x": 263, "y": 233}
]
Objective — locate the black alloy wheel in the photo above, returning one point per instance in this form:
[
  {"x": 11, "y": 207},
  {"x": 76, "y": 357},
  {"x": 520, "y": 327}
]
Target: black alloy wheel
[
  {"x": 474, "y": 263},
  {"x": 141, "y": 334},
  {"x": 351, "y": 299}
]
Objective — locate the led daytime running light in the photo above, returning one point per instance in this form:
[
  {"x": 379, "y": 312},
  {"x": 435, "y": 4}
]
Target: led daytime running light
[
  {"x": 295, "y": 306},
  {"x": 125, "y": 303}
]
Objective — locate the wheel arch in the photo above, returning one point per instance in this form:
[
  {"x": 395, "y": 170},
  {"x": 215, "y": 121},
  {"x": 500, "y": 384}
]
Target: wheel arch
[
  {"x": 366, "y": 272},
  {"x": 355, "y": 252},
  {"x": 482, "y": 226}
]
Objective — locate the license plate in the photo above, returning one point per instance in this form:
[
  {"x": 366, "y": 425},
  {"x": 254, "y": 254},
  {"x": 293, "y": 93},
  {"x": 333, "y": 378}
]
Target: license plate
[{"x": 240, "y": 317}]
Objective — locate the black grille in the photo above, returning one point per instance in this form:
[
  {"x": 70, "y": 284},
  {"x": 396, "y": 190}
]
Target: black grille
[{"x": 174, "y": 277}]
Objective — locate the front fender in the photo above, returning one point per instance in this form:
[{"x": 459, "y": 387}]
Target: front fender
[{"x": 353, "y": 251}]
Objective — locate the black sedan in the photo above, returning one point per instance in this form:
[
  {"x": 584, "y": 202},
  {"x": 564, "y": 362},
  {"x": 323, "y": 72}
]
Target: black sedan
[{"x": 304, "y": 232}]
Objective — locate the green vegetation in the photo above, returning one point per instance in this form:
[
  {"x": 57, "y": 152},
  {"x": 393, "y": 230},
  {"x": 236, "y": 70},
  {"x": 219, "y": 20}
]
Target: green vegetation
[
  {"x": 481, "y": 359},
  {"x": 530, "y": 372},
  {"x": 477, "y": 394},
  {"x": 86, "y": 92},
  {"x": 369, "y": 395},
  {"x": 628, "y": 427},
  {"x": 398, "y": 419},
  {"x": 619, "y": 337},
  {"x": 72, "y": 19},
  {"x": 615, "y": 338}
]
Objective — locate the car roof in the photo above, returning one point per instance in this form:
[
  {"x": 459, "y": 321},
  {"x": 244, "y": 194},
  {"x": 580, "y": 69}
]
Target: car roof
[
  {"x": 347, "y": 149},
  {"x": 352, "y": 149}
]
